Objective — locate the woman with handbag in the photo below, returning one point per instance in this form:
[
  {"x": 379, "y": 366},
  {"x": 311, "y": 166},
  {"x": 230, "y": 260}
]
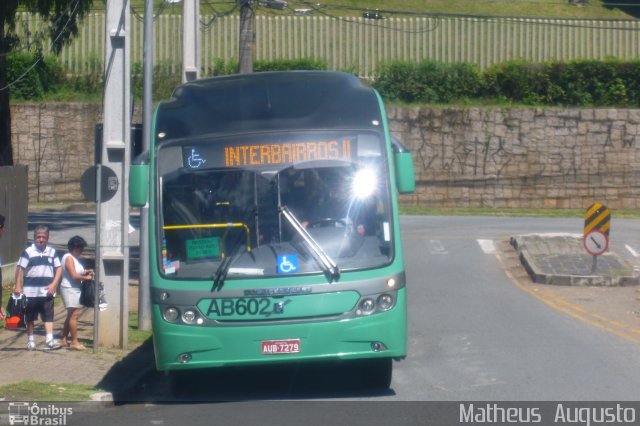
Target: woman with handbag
[{"x": 73, "y": 273}]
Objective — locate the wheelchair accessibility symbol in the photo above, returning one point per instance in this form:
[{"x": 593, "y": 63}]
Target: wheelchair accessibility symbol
[
  {"x": 287, "y": 264},
  {"x": 195, "y": 160}
]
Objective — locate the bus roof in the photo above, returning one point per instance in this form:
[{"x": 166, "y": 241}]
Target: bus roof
[{"x": 270, "y": 101}]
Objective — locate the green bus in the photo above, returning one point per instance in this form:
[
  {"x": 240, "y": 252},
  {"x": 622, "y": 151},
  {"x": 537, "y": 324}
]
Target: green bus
[{"x": 274, "y": 230}]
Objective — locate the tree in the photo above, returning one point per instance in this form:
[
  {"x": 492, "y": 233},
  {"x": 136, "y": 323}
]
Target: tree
[
  {"x": 60, "y": 19},
  {"x": 247, "y": 36}
]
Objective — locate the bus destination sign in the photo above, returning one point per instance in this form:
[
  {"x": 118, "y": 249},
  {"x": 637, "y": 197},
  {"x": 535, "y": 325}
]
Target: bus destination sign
[
  {"x": 272, "y": 153},
  {"x": 286, "y": 153}
]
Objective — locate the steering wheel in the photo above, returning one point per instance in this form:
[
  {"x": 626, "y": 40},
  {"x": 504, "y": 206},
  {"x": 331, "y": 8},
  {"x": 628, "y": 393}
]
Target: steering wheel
[{"x": 328, "y": 221}]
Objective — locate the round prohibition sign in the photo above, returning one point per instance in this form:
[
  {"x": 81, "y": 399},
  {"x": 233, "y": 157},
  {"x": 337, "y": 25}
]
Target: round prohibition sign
[{"x": 596, "y": 242}]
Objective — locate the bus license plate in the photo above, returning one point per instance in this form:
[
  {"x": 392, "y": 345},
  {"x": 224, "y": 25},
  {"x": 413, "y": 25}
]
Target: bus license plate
[{"x": 274, "y": 347}]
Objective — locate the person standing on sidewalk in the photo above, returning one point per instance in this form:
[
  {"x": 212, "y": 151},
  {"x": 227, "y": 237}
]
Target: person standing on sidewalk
[
  {"x": 72, "y": 275},
  {"x": 3, "y": 314},
  {"x": 38, "y": 274}
]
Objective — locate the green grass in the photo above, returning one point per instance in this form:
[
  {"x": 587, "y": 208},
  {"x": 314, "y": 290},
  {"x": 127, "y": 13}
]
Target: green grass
[
  {"x": 38, "y": 391},
  {"x": 547, "y": 8},
  {"x": 136, "y": 336}
]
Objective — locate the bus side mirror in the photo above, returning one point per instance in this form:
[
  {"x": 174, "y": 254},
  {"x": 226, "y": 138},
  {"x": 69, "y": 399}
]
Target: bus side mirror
[
  {"x": 405, "y": 177},
  {"x": 138, "y": 184}
]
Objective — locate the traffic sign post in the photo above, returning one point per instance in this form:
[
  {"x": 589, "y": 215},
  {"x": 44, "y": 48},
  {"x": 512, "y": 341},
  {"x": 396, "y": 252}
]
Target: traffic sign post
[
  {"x": 596, "y": 243},
  {"x": 597, "y": 223}
]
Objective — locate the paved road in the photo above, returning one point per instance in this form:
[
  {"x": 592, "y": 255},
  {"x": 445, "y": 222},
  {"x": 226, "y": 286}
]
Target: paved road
[
  {"x": 479, "y": 329},
  {"x": 64, "y": 225}
]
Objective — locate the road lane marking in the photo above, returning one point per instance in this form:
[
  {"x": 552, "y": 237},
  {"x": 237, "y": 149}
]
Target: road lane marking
[
  {"x": 575, "y": 311},
  {"x": 436, "y": 247},
  {"x": 632, "y": 251},
  {"x": 487, "y": 246},
  {"x": 561, "y": 303}
]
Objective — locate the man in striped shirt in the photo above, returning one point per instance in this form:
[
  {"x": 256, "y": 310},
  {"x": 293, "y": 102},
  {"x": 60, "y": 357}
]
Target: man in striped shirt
[{"x": 38, "y": 275}]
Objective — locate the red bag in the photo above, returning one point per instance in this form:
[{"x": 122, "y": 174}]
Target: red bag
[
  {"x": 13, "y": 321},
  {"x": 16, "y": 308}
]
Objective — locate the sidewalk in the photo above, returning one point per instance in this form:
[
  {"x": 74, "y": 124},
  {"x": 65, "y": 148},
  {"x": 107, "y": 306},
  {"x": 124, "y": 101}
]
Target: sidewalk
[
  {"x": 113, "y": 371},
  {"x": 54, "y": 366}
]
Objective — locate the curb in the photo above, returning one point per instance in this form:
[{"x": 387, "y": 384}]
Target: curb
[{"x": 559, "y": 259}]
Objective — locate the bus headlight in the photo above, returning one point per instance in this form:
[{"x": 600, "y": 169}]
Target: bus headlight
[
  {"x": 385, "y": 302},
  {"x": 189, "y": 316},
  {"x": 367, "y": 306},
  {"x": 170, "y": 314}
]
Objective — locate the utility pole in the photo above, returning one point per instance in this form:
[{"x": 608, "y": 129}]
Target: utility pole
[
  {"x": 247, "y": 36},
  {"x": 190, "y": 40},
  {"x": 112, "y": 247},
  {"x": 144, "y": 292}
]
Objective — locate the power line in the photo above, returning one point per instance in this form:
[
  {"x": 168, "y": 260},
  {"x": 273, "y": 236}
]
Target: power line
[
  {"x": 140, "y": 16},
  {"x": 547, "y": 21},
  {"x": 206, "y": 26},
  {"x": 318, "y": 9}
]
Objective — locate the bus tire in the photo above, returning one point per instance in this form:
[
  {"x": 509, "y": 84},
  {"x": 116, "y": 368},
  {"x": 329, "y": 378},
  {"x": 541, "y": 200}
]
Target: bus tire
[{"x": 376, "y": 373}]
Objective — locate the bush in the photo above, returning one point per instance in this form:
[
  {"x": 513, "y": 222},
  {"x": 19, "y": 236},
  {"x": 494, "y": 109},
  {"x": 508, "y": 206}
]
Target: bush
[
  {"x": 290, "y": 65},
  {"x": 428, "y": 81},
  {"x": 93, "y": 81},
  {"x": 32, "y": 76},
  {"x": 577, "y": 83},
  {"x": 166, "y": 76},
  {"x": 220, "y": 67},
  {"x": 517, "y": 81},
  {"x": 398, "y": 81}
]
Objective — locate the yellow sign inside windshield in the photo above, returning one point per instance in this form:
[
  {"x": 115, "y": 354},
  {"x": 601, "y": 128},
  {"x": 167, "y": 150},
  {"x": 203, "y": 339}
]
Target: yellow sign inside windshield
[{"x": 284, "y": 153}]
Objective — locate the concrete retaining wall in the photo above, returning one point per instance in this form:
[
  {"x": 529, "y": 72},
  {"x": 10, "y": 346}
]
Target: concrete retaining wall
[
  {"x": 532, "y": 158},
  {"x": 56, "y": 142},
  {"x": 484, "y": 157}
]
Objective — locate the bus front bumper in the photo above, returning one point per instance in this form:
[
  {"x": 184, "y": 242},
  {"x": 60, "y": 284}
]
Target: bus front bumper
[{"x": 182, "y": 347}]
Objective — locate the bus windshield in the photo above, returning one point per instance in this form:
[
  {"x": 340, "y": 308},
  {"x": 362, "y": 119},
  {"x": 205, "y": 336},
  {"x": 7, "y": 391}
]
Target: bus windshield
[{"x": 274, "y": 204}]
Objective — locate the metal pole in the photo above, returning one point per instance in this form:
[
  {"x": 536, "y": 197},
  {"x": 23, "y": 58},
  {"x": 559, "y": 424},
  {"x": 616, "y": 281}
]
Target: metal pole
[
  {"x": 97, "y": 269},
  {"x": 144, "y": 302}
]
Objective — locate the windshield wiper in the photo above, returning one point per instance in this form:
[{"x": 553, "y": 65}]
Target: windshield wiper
[
  {"x": 328, "y": 265},
  {"x": 223, "y": 268},
  {"x": 221, "y": 273}
]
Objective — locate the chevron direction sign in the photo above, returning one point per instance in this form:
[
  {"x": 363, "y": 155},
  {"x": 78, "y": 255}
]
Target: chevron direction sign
[{"x": 597, "y": 223}]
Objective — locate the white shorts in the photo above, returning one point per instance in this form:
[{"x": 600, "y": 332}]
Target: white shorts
[{"x": 70, "y": 297}]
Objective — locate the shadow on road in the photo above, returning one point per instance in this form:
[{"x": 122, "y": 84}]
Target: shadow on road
[
  {"x": 125, "y": 376},
  {"x": 326, "y": 380}
]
